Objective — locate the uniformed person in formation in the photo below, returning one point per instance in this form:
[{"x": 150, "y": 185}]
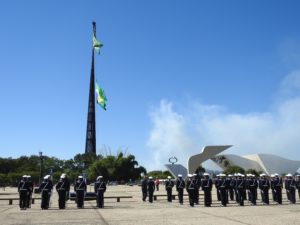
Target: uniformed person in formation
[
  {"x": 230, "y": 188},
  {"x": 251, "y": 185},
  {"x": 197, "y": 181},
  {"x": 23, "y": 189},
  {"x": 29, "y": 195},
  {"x": 190, "y": 188},
  {"x": 151, "y": 189},
  {"x": 264, "y": 186},
  {"x": 223, "y": 186},
  {"x": 144, "y": 188},
  {"x": 169, "y": 184},
  {"x": 240, "y": 189},
  {"x": 206, "y": 186},
  {"x": 180, "y": 185},
  {"x": 80, "y": 189},
  {"x": 290, "y": 186},
  {"x": 62, "y": 188},
  {"x": 277, "y": 187},
  {"x": 216, "y": 182},
  {"x": 100, "y": 188},
  {"x": 45, "y": 190}
]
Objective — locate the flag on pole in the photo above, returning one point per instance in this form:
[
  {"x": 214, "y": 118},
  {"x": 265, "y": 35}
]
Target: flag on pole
[
  {"x": 97, "y": 44},
  {"x": 101, "y": 99}
]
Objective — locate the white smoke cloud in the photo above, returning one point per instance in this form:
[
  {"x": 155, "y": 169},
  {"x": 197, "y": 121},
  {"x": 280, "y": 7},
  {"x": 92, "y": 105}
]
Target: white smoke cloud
[{"x": 181, "y": 134}]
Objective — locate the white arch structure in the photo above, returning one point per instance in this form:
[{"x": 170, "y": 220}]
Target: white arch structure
[{"x": 207, "y": 153}]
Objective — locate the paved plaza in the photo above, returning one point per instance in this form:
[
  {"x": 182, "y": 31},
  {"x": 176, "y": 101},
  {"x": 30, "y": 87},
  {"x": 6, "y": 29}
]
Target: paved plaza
[{"x": 133, "y": 211}]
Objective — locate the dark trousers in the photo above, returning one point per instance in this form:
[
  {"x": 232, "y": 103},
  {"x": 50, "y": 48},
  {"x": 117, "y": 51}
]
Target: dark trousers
[
  {"x": 240, "y": 196},
  {"x": 23, "y": 199},
  {"x": 265, "y": 196},
  {"x": 278, "y": 195},
  {"x": 45, "y": 199},
  {"x": 196, "y": 196},
  {"x": 100, "y": 199},
  {"x": 150, "y": 196},
  {"x": 292, "y": 195},
  {"x": 144, "y": 192},
  {"x": 223, "y": 196},
  {"x": 80, "y": 198},
  {"x": 180, "y": 195},
  {"x": 169, "y": 194},
  {"x": 231, "y": 194},
  {"x": 252, "y": 196},
  {"x": 62, "y": 199},
  {"x": 207, "y": 198},
  {"x": 191, "y": 193}
]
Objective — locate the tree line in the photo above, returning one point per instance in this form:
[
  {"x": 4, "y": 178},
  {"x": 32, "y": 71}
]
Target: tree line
[{"x": 121, "y": 167}]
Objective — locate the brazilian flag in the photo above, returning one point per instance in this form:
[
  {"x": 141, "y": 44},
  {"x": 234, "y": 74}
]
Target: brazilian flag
[
  {"x": 97, "y": 44},
  {"x": 101, "y": 99}
]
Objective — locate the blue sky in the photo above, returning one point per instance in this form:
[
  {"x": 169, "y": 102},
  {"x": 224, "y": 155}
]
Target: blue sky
[{"x": 178, "y": 75}]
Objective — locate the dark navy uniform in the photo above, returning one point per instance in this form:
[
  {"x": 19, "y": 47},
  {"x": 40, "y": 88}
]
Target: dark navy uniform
[
  {"x": 277, "y": 185},
  {"x": 151, "y": 189},
  {"x": 62, "y": 188},
  {"x": 240, "y": 189},
  {"x": 180, "y": 185},
  {"x": 191, "y": 188},
  {"x": 80, "y": 189},
  {"x": 290, "y": 186},
  {"x": 230, "y": 188},
  {"x": 169, "y": 186},
  {"x": 197, "y": 181},
  {"x": 206, "y": 186},
  {"x": 252, "y": 186},
  {"x": 144, "y": 188},
  {"x": 23, "y": 189},
  {"x": 45, "y": 190},
  {"x": 264, "y": 186},
  {"x": 223, "y": 187},
  {"x": 100, "y": 188},
  {"x": 29, "y": 194}
]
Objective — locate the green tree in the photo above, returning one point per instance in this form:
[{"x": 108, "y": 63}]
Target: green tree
[
  {"x": 252, "y": 171},
  {"x": 116, "y": 168},
  {"x": 234, "y": 169},
  {"x": 159, "y": 174}
]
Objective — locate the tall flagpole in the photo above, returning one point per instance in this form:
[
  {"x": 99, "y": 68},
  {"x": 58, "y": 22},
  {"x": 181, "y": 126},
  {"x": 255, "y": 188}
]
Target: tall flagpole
[{"x": 90, "y": 141}]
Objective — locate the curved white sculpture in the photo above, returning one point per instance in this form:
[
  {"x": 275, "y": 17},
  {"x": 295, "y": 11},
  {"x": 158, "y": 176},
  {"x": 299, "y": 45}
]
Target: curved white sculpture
[{"x": 207, "y": 153}]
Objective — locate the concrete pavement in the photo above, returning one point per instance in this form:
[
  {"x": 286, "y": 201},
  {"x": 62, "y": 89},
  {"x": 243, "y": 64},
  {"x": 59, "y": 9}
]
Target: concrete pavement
[{"x": 135, "y": 211}]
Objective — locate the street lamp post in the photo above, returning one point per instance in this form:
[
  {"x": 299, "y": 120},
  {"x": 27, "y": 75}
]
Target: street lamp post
[{"x": 41, "y": 166}]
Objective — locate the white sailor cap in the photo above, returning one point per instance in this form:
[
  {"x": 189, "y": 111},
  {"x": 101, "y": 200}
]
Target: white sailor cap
[
  {"x": 222, "y": 175},
  {"x": 190, "y": 175},
  {"x": 24, "y": 176},
  {"x": 272, "y": 175},
  {"x": 194, "y": 175},
  {"x": 289, "y": 175},
  {"x": 276, "y": 174},
  {"x": 63, "y": 176},
  {"x": 47, "y": 177},
  {"x": 229, "y": 175},
  {"x": 179, "y": 175},
  {"x": 262, "y": 175},
  {"x": 80, "y": 176},
  {"x": 205, "y": 174},
  {"x": 99, "y": 177},
  {"x": 150, "y": 178},
  {"x": 169, "y": 177}
]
